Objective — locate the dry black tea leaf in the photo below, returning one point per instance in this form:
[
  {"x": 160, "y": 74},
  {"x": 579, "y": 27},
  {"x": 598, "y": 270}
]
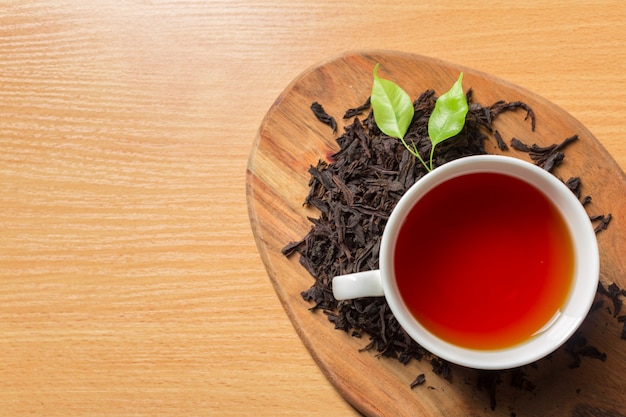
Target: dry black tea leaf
[
  {"x": 574, "y": 184},
  {"x": 421, "y": 378},
  {"x": 502, "y": 106},
  {"x": 501, "y": 143},
  {"x": 357, "y": 110},
  {"x": 585, "y": 200},
  {"x": 518, "y": 145},
  {"x": 547, "y": 157},
  {"x": 322, "y": 116},
  {"x": 603, "y": 221}
]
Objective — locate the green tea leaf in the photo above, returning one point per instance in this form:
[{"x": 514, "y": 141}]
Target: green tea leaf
[
  {"x": 393, "y": 108},
  {"x": 448, "y": 117}
]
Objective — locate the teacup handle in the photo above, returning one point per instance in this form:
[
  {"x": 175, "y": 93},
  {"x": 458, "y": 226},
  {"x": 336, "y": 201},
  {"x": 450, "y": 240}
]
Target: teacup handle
[{"x": 357, "y": 285}]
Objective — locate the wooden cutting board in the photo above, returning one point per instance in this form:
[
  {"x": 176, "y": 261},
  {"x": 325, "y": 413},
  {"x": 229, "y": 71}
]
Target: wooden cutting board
[{"x": 291, "y": 139}]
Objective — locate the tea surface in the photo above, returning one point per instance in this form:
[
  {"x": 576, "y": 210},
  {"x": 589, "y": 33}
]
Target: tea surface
[{"x": 484, "y": 261}]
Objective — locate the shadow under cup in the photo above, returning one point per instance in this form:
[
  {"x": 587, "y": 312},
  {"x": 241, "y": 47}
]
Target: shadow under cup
[{"x": 489, "y": 262}]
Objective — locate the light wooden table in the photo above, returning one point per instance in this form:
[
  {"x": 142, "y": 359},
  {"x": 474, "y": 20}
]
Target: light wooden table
[{"x": 129, "y": 278}]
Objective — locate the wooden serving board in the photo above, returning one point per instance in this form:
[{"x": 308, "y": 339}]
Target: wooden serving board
[{"x": 291, "y": 139}]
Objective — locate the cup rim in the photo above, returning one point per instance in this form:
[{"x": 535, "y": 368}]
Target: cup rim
[{"x": 584, "y": 285}]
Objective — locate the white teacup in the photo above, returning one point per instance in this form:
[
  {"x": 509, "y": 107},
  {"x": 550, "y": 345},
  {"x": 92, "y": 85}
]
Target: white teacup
[{"x": 551, "y": 328}]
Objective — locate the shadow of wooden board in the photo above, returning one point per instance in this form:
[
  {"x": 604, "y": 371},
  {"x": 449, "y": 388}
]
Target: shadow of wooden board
[{"x": 291, "y": 139}]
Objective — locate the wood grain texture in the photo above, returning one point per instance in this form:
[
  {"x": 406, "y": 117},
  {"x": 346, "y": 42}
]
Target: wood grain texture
[
  {"x": 130, "y": 283},
  {"x": 291, "y": 139}
]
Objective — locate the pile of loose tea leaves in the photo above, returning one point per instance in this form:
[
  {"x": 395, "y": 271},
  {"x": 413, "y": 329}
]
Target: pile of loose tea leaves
[{"x": 355, "y": 193}]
